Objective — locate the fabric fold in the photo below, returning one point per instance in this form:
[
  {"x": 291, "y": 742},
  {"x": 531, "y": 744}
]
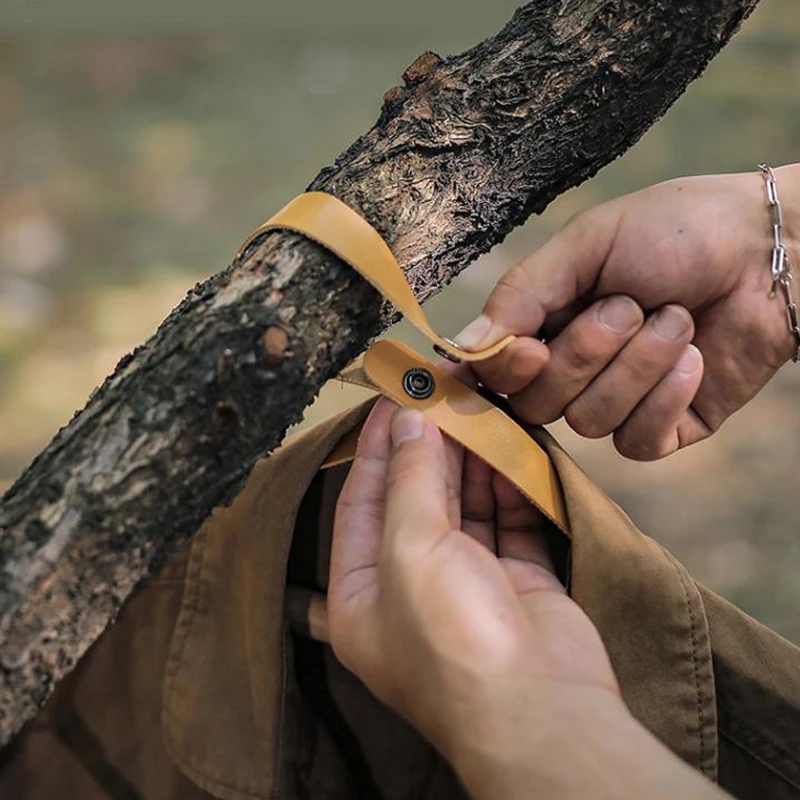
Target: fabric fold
[
  {"x": 252, "y": 711},
  {"x": 225, "y": 711}
]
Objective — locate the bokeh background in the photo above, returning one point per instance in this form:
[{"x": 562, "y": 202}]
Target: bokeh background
[{"x": 131, "y": 165}]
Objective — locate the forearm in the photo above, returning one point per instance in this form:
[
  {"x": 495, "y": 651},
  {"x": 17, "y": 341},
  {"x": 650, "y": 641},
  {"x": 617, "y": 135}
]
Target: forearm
[{"x": 603, "y": 753}]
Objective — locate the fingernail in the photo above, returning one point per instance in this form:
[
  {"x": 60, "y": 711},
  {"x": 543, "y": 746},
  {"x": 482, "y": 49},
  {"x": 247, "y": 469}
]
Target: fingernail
[
  {"x": 689, "y": 361},
  {"x": 619, "y": 313},
  {"x": 406, "y": 425},
  {"x": 471, "y": 337},
  {"x": 671, "y": 323}
]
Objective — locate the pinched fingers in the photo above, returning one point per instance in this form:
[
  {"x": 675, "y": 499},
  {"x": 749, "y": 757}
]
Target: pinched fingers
[
  {"x": 552, "y": 279},
  {"x": 664, "y": 421},
  {"x": 515, "y": 366},
  {"x": 578, "y": 354},
  {"x": 611, "y": 398},
  {"x": 395, "y": 503}
]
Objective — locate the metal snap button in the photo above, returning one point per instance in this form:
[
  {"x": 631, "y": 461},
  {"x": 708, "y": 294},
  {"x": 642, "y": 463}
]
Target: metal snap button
[{"x": 419, "y": 383}]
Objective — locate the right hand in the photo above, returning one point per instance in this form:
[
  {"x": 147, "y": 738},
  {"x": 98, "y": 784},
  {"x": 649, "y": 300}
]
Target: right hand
[{"x": 698, "y": 245}]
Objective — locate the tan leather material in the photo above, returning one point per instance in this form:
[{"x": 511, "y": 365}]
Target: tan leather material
[
  {"x": 333, "y": 224},
  {"x": 459, "y": 412},
  {"x": 465, "y": 416}
]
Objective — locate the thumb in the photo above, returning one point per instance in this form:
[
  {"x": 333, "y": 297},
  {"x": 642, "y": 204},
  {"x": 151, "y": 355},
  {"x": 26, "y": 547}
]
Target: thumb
[
  {"x": 563, "y": 269},
  {"x": 416, "y": 485}
]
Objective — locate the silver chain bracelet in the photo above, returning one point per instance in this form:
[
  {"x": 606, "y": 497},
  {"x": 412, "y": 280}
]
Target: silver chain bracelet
[{"x": 780, "y": 271}]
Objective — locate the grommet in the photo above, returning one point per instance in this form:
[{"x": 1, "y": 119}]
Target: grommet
[
  {"x": 445, "y": 354},
  {"x": 419, "y": 383}
]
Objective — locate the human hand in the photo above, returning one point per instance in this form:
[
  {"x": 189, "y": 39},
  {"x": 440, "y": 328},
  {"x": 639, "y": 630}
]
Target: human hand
[
  {"x": 699, "y": 244},
  {"x": 442, "y": 593},
  {"x": 443, "y": 600}
]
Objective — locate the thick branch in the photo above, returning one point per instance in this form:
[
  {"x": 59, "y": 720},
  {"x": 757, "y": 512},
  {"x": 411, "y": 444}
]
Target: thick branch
[{"x": 468, "y": 148}]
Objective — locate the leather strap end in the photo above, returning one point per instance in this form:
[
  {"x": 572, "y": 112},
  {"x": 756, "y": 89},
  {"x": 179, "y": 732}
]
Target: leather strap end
[{"x": 465, "y": 416}]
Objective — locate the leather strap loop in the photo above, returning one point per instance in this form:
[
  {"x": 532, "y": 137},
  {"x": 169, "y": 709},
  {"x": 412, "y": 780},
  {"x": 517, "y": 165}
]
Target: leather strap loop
[{"x": 331, "y": 223}]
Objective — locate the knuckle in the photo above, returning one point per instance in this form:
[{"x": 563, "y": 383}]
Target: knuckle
[
  {"x": 584, "y": 357},
  {"x": 640, "y": 369},
  {"x": 514, "y": 282},
  {"x": 647, "y": 361},
  {"x": 590, "y": 342},
  {"x": 584, "y": 219},
  {"x": 595, "y": 222},
  {"x": 586, "y": 419},
  {"x": 533, "y": 408},
  {"x": 341, "y": 641}
]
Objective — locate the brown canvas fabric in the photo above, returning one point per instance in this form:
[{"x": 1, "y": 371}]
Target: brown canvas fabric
[
  {"x": 250, "y": 710},
  {"x": 99, "y": 735}
]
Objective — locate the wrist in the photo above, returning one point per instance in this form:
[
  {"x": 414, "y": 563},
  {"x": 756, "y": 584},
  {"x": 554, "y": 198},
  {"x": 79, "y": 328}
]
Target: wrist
[
  {"x": 788, "y": 179},
  {"x": 785, "y": 228},
  {"x": 778, "y": 332},
  {"x": 580, "y": 742},
  {"x": 535, "y": 741}
]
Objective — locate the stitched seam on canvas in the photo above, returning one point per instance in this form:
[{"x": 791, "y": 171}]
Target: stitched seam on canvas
[
  {"x": 754, "y": 735},
  {"x": 209, "y": 785},
  {"x": 278, "y": 787},
  {"x": 742, "y": 745},
  {"x": 192, "y": 602},
  {"x": 695, "y": 664}
]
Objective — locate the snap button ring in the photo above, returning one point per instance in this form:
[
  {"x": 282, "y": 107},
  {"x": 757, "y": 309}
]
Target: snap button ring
[{"x": 418, "y": 383}]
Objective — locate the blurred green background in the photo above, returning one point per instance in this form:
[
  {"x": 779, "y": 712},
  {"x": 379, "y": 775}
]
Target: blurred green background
[{"x": 131, "y": 166}]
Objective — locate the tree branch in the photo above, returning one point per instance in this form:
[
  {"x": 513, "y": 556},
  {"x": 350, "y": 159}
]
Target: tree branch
[{"x": 464, "y": 151}]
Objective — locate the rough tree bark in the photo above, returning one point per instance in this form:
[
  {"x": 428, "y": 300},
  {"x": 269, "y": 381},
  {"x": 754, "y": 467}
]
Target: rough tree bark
[{"x": 465, "y": 150}]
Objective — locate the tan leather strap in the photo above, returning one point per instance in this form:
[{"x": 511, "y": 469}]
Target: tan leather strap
[
  {"x": 460, "y": 412},
  {"x": 337, "y": 227},
  {"x": 463, "y": 415}
]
